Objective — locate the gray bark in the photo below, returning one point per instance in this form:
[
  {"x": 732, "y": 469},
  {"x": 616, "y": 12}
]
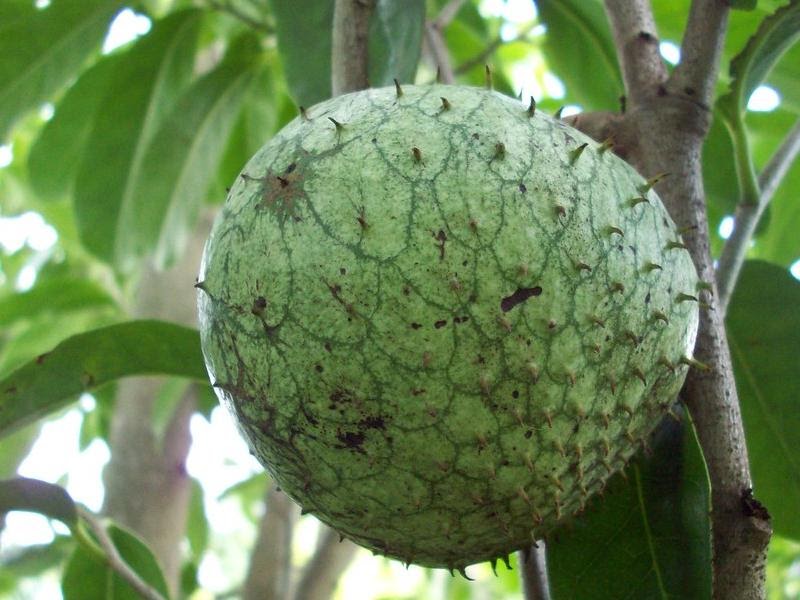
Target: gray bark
[{"x": 269, "y": 573}]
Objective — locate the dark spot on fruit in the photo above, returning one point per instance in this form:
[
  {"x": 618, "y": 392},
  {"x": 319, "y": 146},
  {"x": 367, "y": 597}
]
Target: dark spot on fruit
[
  {"x": 418, "y": 391},
  {"x": 528, "y": 434},
  {"x": 352, "y": 440},
  {"x": 372, "y": 423},
  {"x": 342, "y": 271},
  {"x": 522, "y": 188},
  {"x": 476, "y": 136},
  {"x": 340, "y": 396},
  {"x": 458, "y": 320},
  {"x": 319, "y": 368},
  {"x": 647, "y": 298},
  {"x": 406, "y": 290},
  {"x": 327, "y": 346},
  {"x": 441, "y": 237},
  {"x": 441, "y": 323},
  {"x": 259, "y": 305},
  {"x": 374, "y": 140},
  {"x": 416, "y": 325},
  {"x": 519, "y": 296},
  {"x": 515, "y": 394},
  {"x": 291, "y": 167}
]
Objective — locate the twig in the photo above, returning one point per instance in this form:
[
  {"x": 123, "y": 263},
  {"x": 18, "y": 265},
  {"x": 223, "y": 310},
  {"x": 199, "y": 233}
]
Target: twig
[
  {"x": 748, "y": 215},
  {"x": 636, "y": 40},
  {"x": 227, "y": 7},
  {"x": 106, "y": 551},
  {"x": 696, "y": 74},
  {"x": 434, "y": 40},
  {"x": 481, "y": 57},
  {"x": 349, "y": 52},
  {"x": 533, "y": 567},
  {"x": 448, "y": 13},
  {"x": 326, "y": 566},
  {"x": 269, "y": 573}
]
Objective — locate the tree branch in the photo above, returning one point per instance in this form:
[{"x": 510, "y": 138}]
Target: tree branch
[
  {"x": 696, "y": 74},
  {"x": 323, "y": 571},
  {"x": 636, "y": 40},
  {"x": 748, "y": 215},
  {"x": 225, "y": 6},
  {"x": 434, "y": 41},
  {"x": 671, "y": 123},
  {"x": 269, "y": 573},
  {"x": 448, "y": 13},
  {"x": 349, "y": 53},
  {"x": 481, "y": 57},
  {"x": 107, "y": 552},
  {"x": 533, "y": 567}
]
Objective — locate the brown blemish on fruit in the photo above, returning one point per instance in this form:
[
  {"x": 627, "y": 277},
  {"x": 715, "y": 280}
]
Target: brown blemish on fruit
[
  {"x": 519, "y": 296},
  {"x": 441, "y": 237},
  {"x": 279, "y": 193}
]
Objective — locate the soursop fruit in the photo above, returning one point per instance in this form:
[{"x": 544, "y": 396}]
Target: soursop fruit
[{"x": 442, "y": 319}]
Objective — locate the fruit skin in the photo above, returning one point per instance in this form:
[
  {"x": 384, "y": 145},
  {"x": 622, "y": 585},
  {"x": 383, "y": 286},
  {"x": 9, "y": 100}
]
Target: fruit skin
[{"x": 442, "y": 325}]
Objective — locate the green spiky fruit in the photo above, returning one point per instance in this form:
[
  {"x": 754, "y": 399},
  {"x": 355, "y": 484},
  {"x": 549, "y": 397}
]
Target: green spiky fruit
[{"x": 443, "y": 319}]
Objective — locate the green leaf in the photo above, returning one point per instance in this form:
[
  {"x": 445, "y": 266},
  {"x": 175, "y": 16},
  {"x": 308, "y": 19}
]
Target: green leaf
[
  {"x": 743, "y": 4},
  {"x": 764, "y": 333},
  {"x": 258, "y": 120},
  {"x": 778, "y": 241},
  {"x": 96, "y": 423},
  {"x": 56, "y": 154},
  {"x": 250, "y": 493},
  {"x": 395, "y": 41},
  {"x": 89, "y": 360},
  {"x": 784, "y": 78},
  {"x": 648, "y": 536},
  {"x": 32, "y": 495},
  {"x": 719, "y": 172},
  {"x": 184, "y": 155},
  {"x": 752, "y": 65},
  {"x": 15, "y": 448},
  {"x": 197, "y": 522},
  {"x": 153, "y": 74},
  {"x": 304, "y": 43},
  {"x": 40, "y": 50},
  {"x": 58, "y": 294},
  {"x": 33, "y": 561},
  {"x": 589, "y": 68},
  {"x": 87, "y": 578}
]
